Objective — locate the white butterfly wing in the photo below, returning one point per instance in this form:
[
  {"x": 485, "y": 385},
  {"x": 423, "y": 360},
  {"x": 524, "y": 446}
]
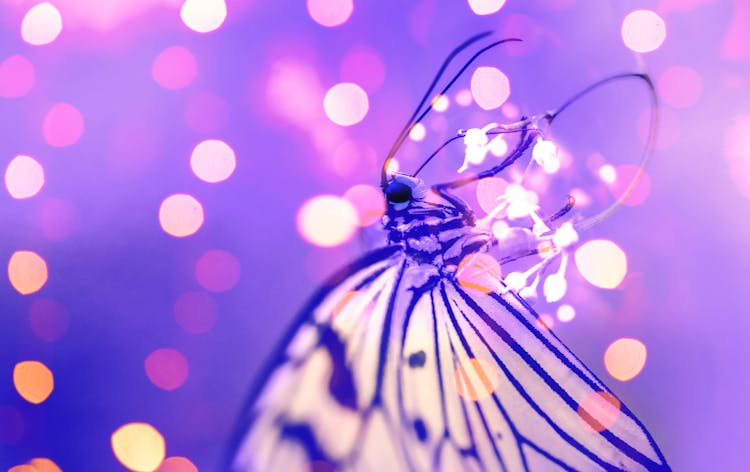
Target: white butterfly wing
[{"x": 397, "y": 368}]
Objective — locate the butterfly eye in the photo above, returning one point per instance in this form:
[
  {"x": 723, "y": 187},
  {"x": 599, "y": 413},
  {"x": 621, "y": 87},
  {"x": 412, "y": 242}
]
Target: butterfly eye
[{"x": 398, "y": 192}]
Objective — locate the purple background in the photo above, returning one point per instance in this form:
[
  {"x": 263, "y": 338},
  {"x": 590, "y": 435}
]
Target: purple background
[{"x": 118, "y": 274}]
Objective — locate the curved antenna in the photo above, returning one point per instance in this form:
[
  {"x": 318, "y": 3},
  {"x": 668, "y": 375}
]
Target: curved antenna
[
  {"x": 416, "y": 117},
  {"x": 461, "y": 134},
  {"x": 646, "y": 154},
  {"x": 441, "y": 70}
]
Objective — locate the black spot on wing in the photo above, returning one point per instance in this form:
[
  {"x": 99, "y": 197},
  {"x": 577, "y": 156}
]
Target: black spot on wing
[
  {"x": 420, "y": 429},
  {"x": 302, "y": 434},
  {"x": 341, "y": 384},
  {"x": 417, "y": 359}
]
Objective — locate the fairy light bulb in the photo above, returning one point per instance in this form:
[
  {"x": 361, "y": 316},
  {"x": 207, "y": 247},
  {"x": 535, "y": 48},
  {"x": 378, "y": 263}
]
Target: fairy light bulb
[
  {"x": 555, "y": 285},
  {"x": 565, "y": 236},
  {"x": 477, "y": 146}
]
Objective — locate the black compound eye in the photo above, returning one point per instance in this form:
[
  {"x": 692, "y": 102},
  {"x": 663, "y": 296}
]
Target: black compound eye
[{"x": 397, "y": 192}]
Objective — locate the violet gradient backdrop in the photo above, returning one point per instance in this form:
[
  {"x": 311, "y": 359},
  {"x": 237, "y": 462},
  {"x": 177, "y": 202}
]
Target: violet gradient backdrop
[{"x": 118, "y": 274}]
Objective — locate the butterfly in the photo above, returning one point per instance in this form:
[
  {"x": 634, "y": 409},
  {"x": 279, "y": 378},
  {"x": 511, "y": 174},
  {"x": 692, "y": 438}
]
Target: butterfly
[{"x": 420, "y": 357}]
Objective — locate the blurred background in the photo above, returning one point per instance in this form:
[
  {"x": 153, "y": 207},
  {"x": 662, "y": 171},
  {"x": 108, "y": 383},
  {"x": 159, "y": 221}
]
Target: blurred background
[{"x": 179, "y": 177}]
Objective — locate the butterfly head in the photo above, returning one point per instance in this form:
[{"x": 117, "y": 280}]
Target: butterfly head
[{"x": 402, "y": 189}]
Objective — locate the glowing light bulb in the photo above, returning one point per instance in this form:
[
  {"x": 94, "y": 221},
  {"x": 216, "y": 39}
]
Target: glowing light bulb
[
  {"x": 41, "y": 25},
  {"x": 565, "y": 235},
  {"x": 417, "y": 132},
  {"x": 203, "y": 16},
  {"x": 643, "y": 31}
]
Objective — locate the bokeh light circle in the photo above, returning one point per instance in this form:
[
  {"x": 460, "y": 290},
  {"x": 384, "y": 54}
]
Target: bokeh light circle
[
  {"x": 625, "y": 358},
  {"x": 363, "y": 66},
  {"x": 599, "y": 411},
  {"x": 203, "y": 16},
  {"x": 24, "y": 177},
  {"x": 174, "y": 68},
  {"x": 680, "y": 86},
  {"x": 17, "y": 77},
  {"x": 180, "y": 215},
  {"x": 490, "y": 87},
  {"x": 138, "y": 446},
  {"x": 486, "y": 7},
  {"x": 476, "y": 379},
  {"x": 479, "y": 271},
  {"x": 327, "y": 220},
  {"x": 602, "y": 263},
  {"x": 368, "y": 201},
  {"x": 196, "y": 312},
  {"x": 42, "y": 24},
  {"x": 27, "y": 272},
  {"x": 213, "y": 161},
  {"x": 42, "y": 464},
  {"x": 737, "y": 152},
  {"x": 166, "y": 368},
  {"x": 177, "y": 464},
  {"x": 63, "y": 125},
  {"x": 330, "y": 13},
  {"x": 33, "y": 381},
  {"x": 566, "y": 313},
  {"x": 643, "y": 31},
  {"x": 346, "y": 104},
  {"x": 217, "y": 270}
]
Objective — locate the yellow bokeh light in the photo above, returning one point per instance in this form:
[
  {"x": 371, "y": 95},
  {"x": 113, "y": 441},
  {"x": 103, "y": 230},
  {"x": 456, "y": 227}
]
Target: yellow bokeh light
[
  {"x": 479, "y": 271},
  {"x": 327, "y": 220},
  {"x": 485, "y": 7},
  {"x": 368, "y": 201},
  {"x": 599, "y": 411},
  {"x": 476, "y": 379},
  {"x": 625, "y": 358},
  {"x": 203, "y": 16},
  {"x": 602, "y": 263},
  {"x": 23, "y": 468},
  {"x": 139, "y": 447},
  {"x": 441, "y": 103},
  {"x": 177, "y": 464},
  {"x": 42, "y": 464},
  {"x": 180, "y": 215},
  {"x": 27, "y": 272},
  {"x": 213, "y": 161},
  {"x": 417, "y": 132},
  {"x": 24, "y": 177},
  {"x": 643, "y": 31},
  {"x": 33, "y": 381},
  {"x": 41, "y": 25},
  {"x": 346, "y": 104},
  {"x": 330, "y": 13},
  {"x": 490, "y": 87}
]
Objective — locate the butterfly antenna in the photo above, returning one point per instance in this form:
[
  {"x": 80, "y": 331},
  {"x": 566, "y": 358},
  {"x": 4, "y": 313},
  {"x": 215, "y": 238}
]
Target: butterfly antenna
[
  {"x": 413, "y": 120},
  {"x": 454, "y": 138},
  {"x": 646, "y": 154}
]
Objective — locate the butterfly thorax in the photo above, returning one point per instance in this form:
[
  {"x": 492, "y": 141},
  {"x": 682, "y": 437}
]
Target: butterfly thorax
[{"x": 435, "y": 234}]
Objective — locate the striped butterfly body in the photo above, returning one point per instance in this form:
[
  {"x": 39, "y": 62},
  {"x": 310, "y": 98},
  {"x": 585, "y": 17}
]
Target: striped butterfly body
[{"x": 417, "y": 357}]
